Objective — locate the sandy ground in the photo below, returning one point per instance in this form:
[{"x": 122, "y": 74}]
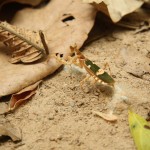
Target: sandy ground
[{"x": 60, "y": 115}]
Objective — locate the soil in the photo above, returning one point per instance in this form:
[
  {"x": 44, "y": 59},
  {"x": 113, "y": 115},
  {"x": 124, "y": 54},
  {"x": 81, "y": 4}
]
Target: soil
[{"x": 60, "y": 115}]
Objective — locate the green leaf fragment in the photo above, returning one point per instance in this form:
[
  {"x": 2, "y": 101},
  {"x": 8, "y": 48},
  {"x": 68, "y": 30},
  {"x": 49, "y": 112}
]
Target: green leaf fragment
[{"x": 140, "y": 130}]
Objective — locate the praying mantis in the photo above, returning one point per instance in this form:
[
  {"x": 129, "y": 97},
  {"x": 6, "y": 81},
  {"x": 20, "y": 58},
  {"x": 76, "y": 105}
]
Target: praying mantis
[{"x": 94, "y": 71}]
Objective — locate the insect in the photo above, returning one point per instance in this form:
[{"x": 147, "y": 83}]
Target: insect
[{"x": 98, "y": 74}]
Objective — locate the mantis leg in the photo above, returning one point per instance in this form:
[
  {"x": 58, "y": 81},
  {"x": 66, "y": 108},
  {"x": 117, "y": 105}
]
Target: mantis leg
[
  {"x": 84, "y": 80},
  {"x": 106, "y": 65}
]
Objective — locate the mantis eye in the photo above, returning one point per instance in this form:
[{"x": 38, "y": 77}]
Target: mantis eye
[{"x": 60, "y": 55}]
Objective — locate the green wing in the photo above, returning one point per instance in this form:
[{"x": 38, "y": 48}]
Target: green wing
[{"x": 105, "y": 77}]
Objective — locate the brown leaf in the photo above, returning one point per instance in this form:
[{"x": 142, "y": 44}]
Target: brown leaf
[
  {"x": 25, "y": 45},
  {"x": 22, "y": 96},
  {"x": 10, "y": 130},
  {"x": 70, "y": 24}
]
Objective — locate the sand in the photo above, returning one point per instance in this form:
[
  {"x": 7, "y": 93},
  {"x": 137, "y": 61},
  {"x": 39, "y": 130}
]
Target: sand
[{"x": 59, "y": 116}]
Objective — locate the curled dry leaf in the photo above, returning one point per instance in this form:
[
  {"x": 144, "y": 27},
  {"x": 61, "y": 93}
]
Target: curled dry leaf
[
  {"x": 22, "y": 96},
  {"x": 25, "y": 45},
  {"x": 109, "y": 117},
  {"x": 10, "y": 130},
  {"x": 116, "y": 9},
  {"x": 70, "y": 24}
]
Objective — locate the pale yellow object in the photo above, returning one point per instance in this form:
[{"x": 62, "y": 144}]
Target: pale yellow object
[
  {"x": 107, "y": 116},
  {"x": 117, "y": 8},
  {"x": 140, "y": 130}
]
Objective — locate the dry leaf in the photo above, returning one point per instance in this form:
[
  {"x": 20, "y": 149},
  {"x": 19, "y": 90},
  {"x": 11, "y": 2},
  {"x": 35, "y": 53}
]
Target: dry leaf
[
  {"x": 109, "y": 117},
  {"x": 116, "y": 9},
  {"x": 22, "y": 96},
  {"x": 25, "y": 45},
  {"x": 63, "y": 28},
  {"x": 10, "y": 130}
]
